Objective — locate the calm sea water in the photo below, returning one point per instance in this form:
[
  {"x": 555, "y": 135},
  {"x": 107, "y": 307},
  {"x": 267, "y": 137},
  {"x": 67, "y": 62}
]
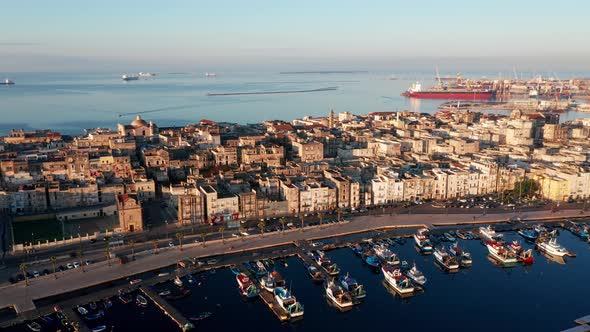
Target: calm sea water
[
  {"x": 70, "y": 102},
  {"x": 546, "y": 296}
]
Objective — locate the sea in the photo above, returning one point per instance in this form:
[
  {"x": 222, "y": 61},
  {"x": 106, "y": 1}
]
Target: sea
[
  {"x": 70, "y": 102},
  {"x": 545, "y": 296}
]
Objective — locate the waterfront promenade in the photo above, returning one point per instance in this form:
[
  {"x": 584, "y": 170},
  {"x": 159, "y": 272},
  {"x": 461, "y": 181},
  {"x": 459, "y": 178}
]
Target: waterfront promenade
[{"x": 22, "y": 297}]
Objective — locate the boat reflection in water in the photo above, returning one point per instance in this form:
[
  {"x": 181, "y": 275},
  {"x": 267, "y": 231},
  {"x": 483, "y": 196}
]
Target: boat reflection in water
[{"x": 555, "y": 259}]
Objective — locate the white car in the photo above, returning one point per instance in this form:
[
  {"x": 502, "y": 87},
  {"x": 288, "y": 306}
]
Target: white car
[
  {"x": 70, "y": 266},
  {"x": 244, "y": 233},
  {"x": 170, "y": 244},
  {"x": 235, "y": 235},
  {"x": 36, "y": 274},
  {"x": 76, "y": 265}
]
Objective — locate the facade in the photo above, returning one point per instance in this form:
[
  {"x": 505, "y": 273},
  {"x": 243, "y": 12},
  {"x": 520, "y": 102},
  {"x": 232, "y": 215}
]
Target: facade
[{"x": 130, "y": 213}]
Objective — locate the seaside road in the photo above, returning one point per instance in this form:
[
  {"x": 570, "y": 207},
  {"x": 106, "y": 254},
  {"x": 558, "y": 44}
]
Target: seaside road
[{"x": 22, "y": 297}]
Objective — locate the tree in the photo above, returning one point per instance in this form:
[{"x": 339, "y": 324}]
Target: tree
[
  {"x": 180, "y": 236},
  {"x": 23, "y": 270},
  {"x": 321, "y": 217},
  {"x": 132, "y": 243},
  {"x": 204, "y": 238},
  {"x": 302, "y": 221},
  {"x": 107, "y": 252},
  {"x": 221, "y": 230},
  {"x": 283, "y": 221},
  {"x": 527, "y": 188},
  {"x": 155, "y": 244},
  {"x": 261, "y": 225},
  {"x": 80, "y": 254},
  {"x": 53, "y": 260},
  {"x": 339, "y": 213}
]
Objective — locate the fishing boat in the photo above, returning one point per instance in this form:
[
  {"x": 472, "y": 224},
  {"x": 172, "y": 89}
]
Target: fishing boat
[
  {"x": 141, "y": 301},
  {"x": 551, "y": 247},
  {"x": 447, "y": 261},
  {"x": 357, "y": 249},
  {"x": 7, "y": 82},
  {"x": 234, "y": 269},
  {"x": 386, "y": 255},
  {"x": 371, "y": 260},
  {"x": 400, "y": 283},
  {"x": 540, "y": 229},
  {"x": 247, "y": 288},
  {"x": 124, "y": 297},
  {"x": 165, "y": 292},
  {"x": 449, "y": 237},
  {"x": 272, "y": 281},
  {"x": 338, "y": 295},
  {"x": 314, "y": 273},
  {"x": 351, "y": 285},
  {"x": 462, "y": 236},
  {"x": 95, "y": 316},
  {"x": 34, "y": 326},
  {"x": 178, "y": 282},
  {"x": 489, "y": 234},
  {"x": 127, "y": 77},
  {"x": 288, "y": 302},
  {"x": 325, "y": 263},
  {"x": 528, "y": 234},
  {"x": 416, "y": 275},
  {"x": 83, "y": 311},
  {"x": 578, "y": 230},
  {"x": 422, "y": 241},
  {"x": 463, "y": 257},
  {"x": 500, "y": 253}
]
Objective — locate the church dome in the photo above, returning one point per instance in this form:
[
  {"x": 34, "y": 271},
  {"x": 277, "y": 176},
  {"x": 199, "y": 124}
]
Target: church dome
[{"x": 139, "y": 122}]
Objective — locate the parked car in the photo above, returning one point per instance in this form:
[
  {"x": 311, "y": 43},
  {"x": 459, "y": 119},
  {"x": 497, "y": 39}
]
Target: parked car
[
  {"x": 170, "y": 244},
  {"x": 70, "y": 266},
  {"x": 76, "y": 265},
  {"x": 36, "y": 274},
  {"x": 244, "y": 233}
]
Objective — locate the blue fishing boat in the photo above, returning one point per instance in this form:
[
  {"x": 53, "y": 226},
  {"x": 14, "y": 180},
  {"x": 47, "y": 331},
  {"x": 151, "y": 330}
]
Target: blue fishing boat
[
  {"x": 234, "y": 269},
  {"x": 580, "y": 231},
  {"x": 357, "y": 249},
  {"x": 449, "y": 237},
  {"x": 288, "y": 302},
  {"x": 350, "y": 284},
  {"x": 528, "y": 234},
  {"x": 372, "y": 261}
]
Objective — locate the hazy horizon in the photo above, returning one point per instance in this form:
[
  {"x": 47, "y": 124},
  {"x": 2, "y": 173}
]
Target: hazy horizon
[{"x": 68, "y": 36}]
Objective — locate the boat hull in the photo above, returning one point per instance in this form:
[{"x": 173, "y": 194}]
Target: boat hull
[{"x": 450, "y": 95}]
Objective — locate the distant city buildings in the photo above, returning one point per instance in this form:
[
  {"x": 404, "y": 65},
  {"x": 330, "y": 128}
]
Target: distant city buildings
[{"x": 211, "y": 173}]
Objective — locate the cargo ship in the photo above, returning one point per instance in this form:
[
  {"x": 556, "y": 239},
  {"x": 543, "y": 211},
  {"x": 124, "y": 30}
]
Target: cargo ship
[{"x": 445, "y": 92}]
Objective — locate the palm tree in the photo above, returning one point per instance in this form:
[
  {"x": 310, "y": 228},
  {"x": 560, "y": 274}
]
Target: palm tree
[
  {"x": 302, "y": 221},
  {"x": 107, "y": 252},
  {"x": 132, "y": 243},
  {"x": 179, "y": 236},
  {"x": 283, "y": 221},
  {"x": 53, "y": 260},
  {"x": 339, "y": 213},
  {"x": 204, "y": 238},
  {"x": 221, "y": 230},
  {"x": 23, "y": 270},
  {"x": 155, "y": 244},
  {"x": 321, "y": 217},
  {"x": 261, "y": 225},
  {"x": 80, "y": 254}
]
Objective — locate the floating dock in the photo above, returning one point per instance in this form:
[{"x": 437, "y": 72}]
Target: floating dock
[
  {"x": 168, "y": 309},
  {"x": 267, "y": 297}
]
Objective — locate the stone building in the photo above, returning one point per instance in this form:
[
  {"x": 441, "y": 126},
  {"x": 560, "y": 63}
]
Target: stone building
[{"x": 130, "y": 216}]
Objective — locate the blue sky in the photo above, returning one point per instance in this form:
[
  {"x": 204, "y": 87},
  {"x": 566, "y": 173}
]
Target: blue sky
[{"x": 48, "y": 33}]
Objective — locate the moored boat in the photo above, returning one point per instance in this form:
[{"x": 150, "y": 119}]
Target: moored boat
[
  {"x": 400, "y": 283},
  {"x": 272, "y": 281},
  {"x": 551, "y": 247},
  {"x": 351, "y": 285},
  {"x": 178, "y": 282},
  {"x": 125, "y": 297},
  {"x": 83, "y": 311},
  {"x": 447, "y": 261},
  {"x": 386, "y": 255},
  {"x": 34, "y": 326},
  {"x": 528, "y": 234},
  {"x": 489, "y": 234},
  {"x": 288, "y": 302},
  {"x": 500, "y": 253},
  {"x": 463, "y": 257},
  {"x": 141, "y": 301},
  {"x": 371, "y": 260},
  {"x": 247, "y": 288},
  {"x": 449, "y": 237},
  {"x": 357, "y": 249},
  {"x": 314, "y": 273},
  {"x": 422, "y": 241},
  {"x": 416, "y": 275},
  {"x": 338, "y": 295}
]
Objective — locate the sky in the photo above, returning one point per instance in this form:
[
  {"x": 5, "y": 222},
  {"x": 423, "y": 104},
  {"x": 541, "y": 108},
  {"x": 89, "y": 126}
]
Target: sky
[{"x": 67, "y": 34}]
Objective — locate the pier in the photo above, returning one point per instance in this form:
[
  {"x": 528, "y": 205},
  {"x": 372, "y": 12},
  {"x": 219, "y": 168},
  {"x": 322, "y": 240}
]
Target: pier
[
  {"x": 75, "y": 319},
  {"x": 583, "y": 325},
  {"x": 169, "y": 310},
  {"x": 267, "y": 297}
]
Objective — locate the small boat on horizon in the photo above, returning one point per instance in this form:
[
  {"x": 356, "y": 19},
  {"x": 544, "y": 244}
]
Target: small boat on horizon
[
  {"x": 127, "y": 77},
  {"x": 7, "y": 82}
]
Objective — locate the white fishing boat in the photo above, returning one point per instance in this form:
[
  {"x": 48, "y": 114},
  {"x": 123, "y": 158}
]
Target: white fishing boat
[
  {"x": 416, "y": 275},
  {"x": 400, "y": 283},
  {"x": 385, "y": 254},
  {"x": 500, "y": 253},
  {"x": 489, "y": 234},
  {"x": 272, "y": 281},
  {"x": 178, "y": 282},
  {"x": 447, "y": 261},
  {"x": 338, "y": 296},
  {"x": 422, "y": 241},
  {"x": 552, "y": 248},
  {"x": 288, "y": 302}
]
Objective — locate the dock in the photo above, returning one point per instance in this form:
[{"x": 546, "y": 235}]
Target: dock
[
  {"x": 583, "y": 320},
  {"x": 579, "y": 328},
  {"x": 168, "y": 309},
  {"x": 267, "y": 297}
]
